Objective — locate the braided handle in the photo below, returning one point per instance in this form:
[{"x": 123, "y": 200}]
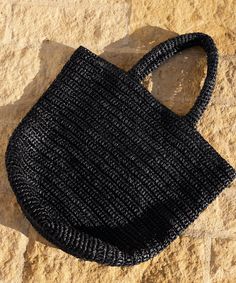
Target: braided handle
[{"x": 163, "y": 51}]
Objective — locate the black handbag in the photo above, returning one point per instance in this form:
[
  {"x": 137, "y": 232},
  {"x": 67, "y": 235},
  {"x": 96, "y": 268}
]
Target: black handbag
[{"x": 105, "y": 171}]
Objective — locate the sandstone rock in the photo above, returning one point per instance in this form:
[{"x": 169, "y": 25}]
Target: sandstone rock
[
  {"x": 5, "y": 33},
  {"x": 13, "y": 245},
  {"x": 212, "y": 17},
  {"x": 218, "y": 125},
  {"x": 223, "y": 260},
  {"x": 142, "y": 39},
  {"x": 18, "y": 66},
  {"x": 5, "y": 132},
  {"x": 180, "y": 262},
  {"x": 86, "y": 23},
  {"x": 11, "y": 215},
  {"x": 208, "y": 223},
  {"x": 176, "y": 83},
  {"x": 34, "y": 72},
  {"x": 48, "y": 264},
  {"x": 35, "y": 236},
  {"x": 218, "y": 219},
  {"x": 38, "y": 38},
  {"x": 227, "y": 210}
]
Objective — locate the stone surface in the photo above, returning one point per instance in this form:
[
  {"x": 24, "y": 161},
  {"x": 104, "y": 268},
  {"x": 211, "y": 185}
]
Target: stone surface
[
  {"x": 218, "y": 219},
  {"x": 208, "y": 223},
  {"x": 227, "y": 210},
  {"x": 176, "y": 83},
  {"x": 182, "y": 261},
  {"x": 26, "y": 73},
  {"x": 5, "y": 32},
  {"x": 5, "y": 132},
  {"x": 18, "y": 66},
  {"x": 12, "y": 245},
  {"x": 37, "y": 37},
  {"x": 47, "y": 264},
  {"x": 11, "y": 214},
  {"x": 213, "y": 17},
  {"x": 84, "y": 23},
  {"x": 223, "y": 260},
  {"x": 35, "y": 236},
  {"x": 218, "y": 121},
  {"x": 218, "y": 127}
]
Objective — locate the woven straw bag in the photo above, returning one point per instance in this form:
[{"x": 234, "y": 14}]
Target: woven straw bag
[{"x": 105, "y": 171}]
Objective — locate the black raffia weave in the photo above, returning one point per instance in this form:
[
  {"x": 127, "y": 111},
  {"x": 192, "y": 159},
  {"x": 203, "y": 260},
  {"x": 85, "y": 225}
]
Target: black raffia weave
[{"x": 105, "y": 171}]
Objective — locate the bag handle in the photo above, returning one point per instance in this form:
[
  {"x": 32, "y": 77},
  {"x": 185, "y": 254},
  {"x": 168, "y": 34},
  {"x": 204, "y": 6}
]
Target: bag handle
[{"x": 163, "y": 51}]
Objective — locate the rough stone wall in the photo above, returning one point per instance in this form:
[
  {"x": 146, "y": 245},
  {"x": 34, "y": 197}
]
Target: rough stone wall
[{"x": 36, "y": 39}]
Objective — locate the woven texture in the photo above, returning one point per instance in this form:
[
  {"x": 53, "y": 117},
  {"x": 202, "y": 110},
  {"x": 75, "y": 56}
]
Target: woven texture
[{"x": 106, "y": 172}]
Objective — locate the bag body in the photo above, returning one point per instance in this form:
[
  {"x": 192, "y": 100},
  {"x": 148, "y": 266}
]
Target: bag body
[{"x": 106, "y": 172}]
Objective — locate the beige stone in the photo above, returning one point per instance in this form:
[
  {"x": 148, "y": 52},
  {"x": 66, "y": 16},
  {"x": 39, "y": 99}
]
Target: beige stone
[
  {"x": 63, "y": 3},
  {"x": 31, "y": 70},
  {"x": 35, "y": 236},
  {"x": 176, "y": 83},
  {"x": 37, "y": 38},
  {"x": 11, "y": 215},
  {"x": 208, "y": 222},
  {"x": 182, "y": 261},
  {"x": 227, "y": 210},
  {"x": 218, "y": 125},
  {"x": 18, "y": 66},
  {"x": 224, "y": 93},
  {"x": 218, "y": 128},
  {"x": 5, "y": 32},
  {"x": 223, "y": 260},
  {"x": 218, "y": 219},
  {"x": 12, "y": 245},
  {"x": 213, "y": 17},
  {"x": 142, "y": 39},
  {"x": 86, "y": 23},
  {"x": 5, "y": 132},
  {"x": 43, "y": 257},
  {"x": 48, "y": 264}
]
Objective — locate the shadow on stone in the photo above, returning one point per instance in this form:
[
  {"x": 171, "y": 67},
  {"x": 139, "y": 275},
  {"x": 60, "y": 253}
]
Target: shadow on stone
[{"x": 176, "y": 84}]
